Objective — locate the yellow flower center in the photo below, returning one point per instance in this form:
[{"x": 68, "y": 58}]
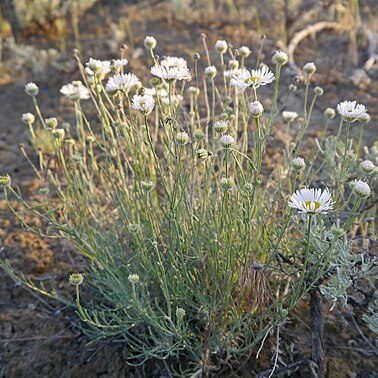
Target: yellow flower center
[
  {"x": 312, "y": 205},
  {"x": 251, "y": 80}
]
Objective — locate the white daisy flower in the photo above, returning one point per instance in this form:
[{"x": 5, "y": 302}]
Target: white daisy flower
[
  {"x": 254, "y": 78},
  {"x": 118, "y": 64},
  {"x": 171, "y": 73},
  {"x": 312, "y": 201},
  {"x": 97, "y": 67},
  {"x": 289, "y": 116},
  {"x": 361, "y": 188},
  {"x": 173, "y": 61},
  {"x": 145, "y": 104},
  {"x": 75, "y": 91},
  {"x": 122, "y": 82},
  {"x": 350, "y": 110}
]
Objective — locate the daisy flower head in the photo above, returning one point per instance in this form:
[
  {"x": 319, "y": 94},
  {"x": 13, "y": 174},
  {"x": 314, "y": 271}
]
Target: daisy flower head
[
  {"x": 350, "y": 110},
  {"x": 311, "y": 201},
  {"x": 145, "y": 104},
  {"x": 75, "y": 91},
  {"x": 122, "y": 82},
  {"x": 361, "y": 188},
  {"x": 367, "y": 166},
  {"x": 171, "y": 73},
  {"x": 173, "y": 61},
  {"x": 289, "y": 116},
  {"x": 254, "y": 78},
  {"x": 97, "y": 67},
  {"x": 118, "y": 64}
]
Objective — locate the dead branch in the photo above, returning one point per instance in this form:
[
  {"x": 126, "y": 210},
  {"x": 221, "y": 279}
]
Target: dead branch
[{"x": 308, "y": 31}]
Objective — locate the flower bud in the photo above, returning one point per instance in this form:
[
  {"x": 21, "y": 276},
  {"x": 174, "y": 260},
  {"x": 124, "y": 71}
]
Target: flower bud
[
  {"x": 280, "y": 58},
  {"x": 193, "y": 91},
  {"x": 248, "y": 187},
  {"x": 196, "y": 56},
  {"x": 202, "y": 154},
  {"x": 58, "y": 135},
  {"x": 133, "y": 228},
  {"x": 210, "y": 72},
  {"x": 298, "y": 163},
  {"x": 149, "y": 42},
  {"x": 330, "y": 113},
  {"x": 51, "y": 123},
  {"x": 198, "y": 135},
  {"x": 5, "y": 181},
  {"x": 180, "y": 313},
  {"x": 133, "y": 278},
  {"x": 367, "y": 166},
  {"x": 227, "y": 183},
  {"x": 244, "y": 51},
  {"x": 365, "y": 118},
  {"x": 361, "y": 188},
  {"x": 31, "y": 89},
  {"x": 182, "y": 138},
  {"x": 76, "y": 279},
  {"x": 318, "y": 91},
  {"x": 147, "y": 186},
  {"x": 256, "y": 108},
  {"x": 233, "y": 64},
  {"x": 28, "y": 118},
  {"x": 226, "y": 141},
  {"x": 221, "y": 46},
  {"x": 220, "y": 127},
  {"x": 289, "y": 116},
  {"x": 309, "y": 68}
]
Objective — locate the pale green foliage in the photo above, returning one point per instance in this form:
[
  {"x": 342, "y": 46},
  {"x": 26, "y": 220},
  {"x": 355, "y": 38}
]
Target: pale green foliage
[
  {"x": 372, "y": 319},
  {"x": 160, "y": 233}
]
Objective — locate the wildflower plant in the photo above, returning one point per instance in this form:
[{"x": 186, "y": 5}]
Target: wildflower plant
[{"x": 194, "y": 250}]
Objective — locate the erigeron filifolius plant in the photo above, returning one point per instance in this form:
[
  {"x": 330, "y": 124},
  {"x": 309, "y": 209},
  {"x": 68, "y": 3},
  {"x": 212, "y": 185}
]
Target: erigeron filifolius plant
[{"x": 195, "y": 249}]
